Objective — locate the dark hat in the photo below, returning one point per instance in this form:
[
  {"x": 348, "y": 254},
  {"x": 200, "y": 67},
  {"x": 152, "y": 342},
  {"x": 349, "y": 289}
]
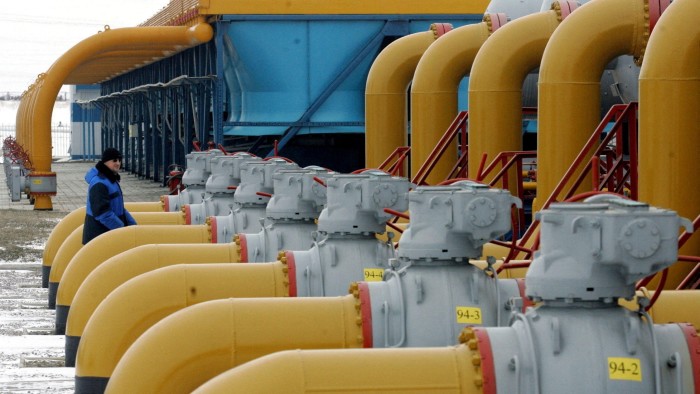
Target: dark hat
[{"x": 110, "y": 154}]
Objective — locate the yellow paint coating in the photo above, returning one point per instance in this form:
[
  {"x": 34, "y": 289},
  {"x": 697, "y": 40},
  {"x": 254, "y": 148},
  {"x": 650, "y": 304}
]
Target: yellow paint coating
[
  {"x": 495, "y": 88},
  {"x": 74, "y": 242},
  {"x": 423, "y": 370},
  {"x": 669, "y": 120},
  {"x": 569, "y": 82},
  {"x": 124, "y": 266},
  {"x": 229, "y": 333},
  {"x": 434, "y": 94},
  {"x": 116, "y": 241},
  {"x": 144, "y": 300},
  {"x": 35, "y": 119},
  {"x": 76, "y": 218},
  {"x": 386, "y": 95}
]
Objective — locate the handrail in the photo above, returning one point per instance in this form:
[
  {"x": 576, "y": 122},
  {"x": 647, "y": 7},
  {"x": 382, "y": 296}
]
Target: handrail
[
  {"x": 394, "y": 163},
  {"x": 459, "y": 123},
  {"x": 621, "y": 111}
]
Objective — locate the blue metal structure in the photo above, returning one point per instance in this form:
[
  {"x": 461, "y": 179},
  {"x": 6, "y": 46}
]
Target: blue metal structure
[{"x": 295, "y": 79}]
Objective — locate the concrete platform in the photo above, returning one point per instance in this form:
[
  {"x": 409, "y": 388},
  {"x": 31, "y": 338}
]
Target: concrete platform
[{"x": 72, "y": 188}]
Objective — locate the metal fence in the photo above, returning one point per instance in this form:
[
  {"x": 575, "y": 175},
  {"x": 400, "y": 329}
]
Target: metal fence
[{"x": 60, "y": 138}]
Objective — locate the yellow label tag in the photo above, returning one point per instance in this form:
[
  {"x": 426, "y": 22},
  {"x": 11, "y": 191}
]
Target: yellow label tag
[
  {"x": 36, "y": 181},
  {"x": 374, "y": 274},
  {"x": 622, "y": 368},
  {"x": 468, "y": 315}
]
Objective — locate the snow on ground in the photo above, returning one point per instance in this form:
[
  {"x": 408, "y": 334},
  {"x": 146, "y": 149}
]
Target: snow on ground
[{"x": 31, "y": 358}]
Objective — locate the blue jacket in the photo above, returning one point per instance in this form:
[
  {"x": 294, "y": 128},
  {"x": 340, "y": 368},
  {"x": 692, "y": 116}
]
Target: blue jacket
[{"x": 104, "y": 209}]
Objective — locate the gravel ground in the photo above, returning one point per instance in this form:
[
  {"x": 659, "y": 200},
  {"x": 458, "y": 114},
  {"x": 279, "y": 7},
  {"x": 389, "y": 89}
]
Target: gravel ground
[{"x": 31, "y": 358}]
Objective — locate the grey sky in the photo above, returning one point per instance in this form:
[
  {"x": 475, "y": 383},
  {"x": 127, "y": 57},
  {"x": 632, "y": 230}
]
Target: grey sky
[{"x": 34, "y": 33}]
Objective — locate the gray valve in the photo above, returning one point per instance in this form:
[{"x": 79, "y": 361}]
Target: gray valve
[
  {"x": 442, "y": 217},
  {"x": 599, "y": 250},
  {"x": 356, "y": 203},
  {"x": 297, "y": 195},
  {"x": 578, "y": 339},
  {"x": 297, "y": 202}
]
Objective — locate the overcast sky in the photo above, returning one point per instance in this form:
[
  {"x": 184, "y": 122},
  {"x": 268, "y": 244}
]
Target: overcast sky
[{"x": 34, "y": 33}]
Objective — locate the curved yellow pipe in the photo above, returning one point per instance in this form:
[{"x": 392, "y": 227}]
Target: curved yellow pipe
[
  {"x": 228, "y": 333},
  {"x": 147, "y": 299},
  {"x": 116, "y": 241},
  {"x": 76, "y": 218},
  {"x": 129, "y": 264},
  {"x": 569, "y": 81},
  {"x": 386, "y": 95},
  {"x": 420, "y": 370},
  {"x": 59, "y": 234},
  {"x": 495, "y": 87},
  {"x": 434, "y": 93},
  {"x": 114, "y": 39},
  {"x": 669, "y": 120},
  {"x": 74, "y": 242}
]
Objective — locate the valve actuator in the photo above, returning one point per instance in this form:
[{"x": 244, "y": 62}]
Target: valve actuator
[
  {"x": 220, "y": 187},
  {"x": 346, "y": 245},
  {"x": 579, "y": 339},
  {"x": 251, "y": 198},
  {"x": 299, "y": 196},
  {"x": 195, "y": 177},
  {"x": 433, "y": 291}
]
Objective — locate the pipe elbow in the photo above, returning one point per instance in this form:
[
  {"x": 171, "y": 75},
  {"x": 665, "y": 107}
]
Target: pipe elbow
[
  {"x": 200, "y": 33},
  {"x": 364, "y": 370},
  {"x": 229, "y": 333}
]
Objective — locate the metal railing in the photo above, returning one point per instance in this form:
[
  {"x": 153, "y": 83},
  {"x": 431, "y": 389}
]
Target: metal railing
[{"x": 60, "y": 138}]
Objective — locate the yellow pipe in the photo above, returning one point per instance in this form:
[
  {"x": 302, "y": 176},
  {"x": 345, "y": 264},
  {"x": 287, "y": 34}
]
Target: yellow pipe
[
  {"x": 420, "y": 370},
  {"x": 495, "y": 87},
  {"x": 113, "y": 39},
  {"x": 132, "y": 263},
  {"x": 672, "y": 306},
  {"x": 147, "y": 299},
  {"x": 74, "y": 242},
  {"x": 569, "y": 81},
  {"x": 199, "y": 342},
  {"x": 117, "y": 241},
  {"x": 434, "y": 94},
  {"x": 386, "y": 95},
  {"x": 76, "y": 218},
  {"x": 669, "y": 121}
]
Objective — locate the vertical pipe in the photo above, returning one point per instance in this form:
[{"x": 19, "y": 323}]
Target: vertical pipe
[
  {"x": 386, "y": 95},
  {"x": 495, "y": 89},
  {"x": 434, "y": 93},
  {"x": 569, "y": 84},
  {"x": 669, "y": 120}
]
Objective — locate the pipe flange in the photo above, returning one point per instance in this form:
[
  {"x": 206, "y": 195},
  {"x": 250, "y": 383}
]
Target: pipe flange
[
  {"x": 211, "y": 229},
  {"x": 440, "y": 29},
  {"x": 495, "y": 21},
  {"x": 478, "y": 342},
  {"x": 564, "y": 8},
  {"x": 656, "y": 8},
  {"x": 239, "y": 252},
  {"x": 186, "y": 214},
  {"x": 652, "y": 12},
  {"x": 360, "y": 296},
  {"x": 287, "y": 259},
  {"x": 693, "y": 340},
  {"x": 282, "y": 258}
]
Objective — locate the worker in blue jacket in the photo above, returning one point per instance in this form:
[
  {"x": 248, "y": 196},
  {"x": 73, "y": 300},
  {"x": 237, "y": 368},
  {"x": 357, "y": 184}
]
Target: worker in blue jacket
[{"x": 105, "y": 210}]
